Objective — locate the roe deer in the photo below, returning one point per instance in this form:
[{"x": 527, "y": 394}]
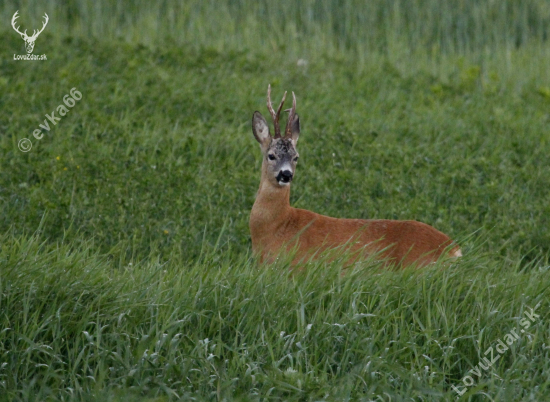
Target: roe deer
[{"x": 276, "y": 227}]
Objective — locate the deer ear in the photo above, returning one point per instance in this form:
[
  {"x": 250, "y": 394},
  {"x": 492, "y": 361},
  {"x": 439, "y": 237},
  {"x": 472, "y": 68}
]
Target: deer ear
[
  {"x": 261, "y": 130},
  {"x": 295, "y": 130}
]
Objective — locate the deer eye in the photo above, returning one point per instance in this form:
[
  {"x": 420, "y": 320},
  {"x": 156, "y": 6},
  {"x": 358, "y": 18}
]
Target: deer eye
[
  {"x": 296, "y": 159},
  {"x": 271, "y": 157}
]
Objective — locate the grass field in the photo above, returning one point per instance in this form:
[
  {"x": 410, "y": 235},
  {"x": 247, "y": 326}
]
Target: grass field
[{"x": 126, "y": 271}]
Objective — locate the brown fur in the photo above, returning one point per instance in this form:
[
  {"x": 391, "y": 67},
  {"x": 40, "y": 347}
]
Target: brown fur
[
  {"x": 274, "y": 225},
  {"x": 277, "y": 227}
]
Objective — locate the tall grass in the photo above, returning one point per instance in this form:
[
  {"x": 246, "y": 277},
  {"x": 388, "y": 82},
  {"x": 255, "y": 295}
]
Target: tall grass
[
  {"x": 487, "y": 31},
  {"x": 448, "y": 26},
  {"x": 125, "y": 264},
  {"x": 158, "y": 154},
  {"x": 75, "y": 325}
]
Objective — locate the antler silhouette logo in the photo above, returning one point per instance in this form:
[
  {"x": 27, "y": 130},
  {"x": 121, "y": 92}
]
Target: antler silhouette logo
[{"x": 29, "y": 40}]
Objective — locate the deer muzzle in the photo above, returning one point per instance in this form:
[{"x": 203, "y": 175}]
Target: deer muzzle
[{"x": 284, "y": 176}]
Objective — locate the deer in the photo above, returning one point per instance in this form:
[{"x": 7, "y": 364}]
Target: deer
[
  {"x": 29, "y": 40},
  {"x": 276, "y": 227}
]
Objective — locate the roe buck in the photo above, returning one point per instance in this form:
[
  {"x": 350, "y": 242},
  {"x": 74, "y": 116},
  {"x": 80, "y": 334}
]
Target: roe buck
[{"x": 276, "y": 227}]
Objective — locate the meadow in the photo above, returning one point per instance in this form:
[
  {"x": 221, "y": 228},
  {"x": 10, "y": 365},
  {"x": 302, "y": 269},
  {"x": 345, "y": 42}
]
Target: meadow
[{"x": 126, "y": 271}]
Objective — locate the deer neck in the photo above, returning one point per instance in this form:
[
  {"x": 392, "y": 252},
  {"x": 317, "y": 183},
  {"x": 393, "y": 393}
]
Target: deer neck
[{"x": 272, "y": 205}]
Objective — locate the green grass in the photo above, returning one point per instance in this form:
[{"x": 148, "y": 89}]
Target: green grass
[
  {"x": 76, "y": 323},
  {"x": 125, "y": 263}
]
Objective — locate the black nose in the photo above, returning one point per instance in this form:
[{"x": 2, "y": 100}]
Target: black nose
[{"x": 285, "y": 176}]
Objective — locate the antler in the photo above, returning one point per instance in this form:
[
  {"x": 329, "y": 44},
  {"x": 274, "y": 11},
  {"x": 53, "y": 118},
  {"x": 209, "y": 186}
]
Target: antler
[
  {"x": 24, "y": 34},
  {"x": 275, "y": 116},
  {"x": 15, "y": 16},
  {"x": 35, "y": 34},
  {"x": 288, "y": 131}
]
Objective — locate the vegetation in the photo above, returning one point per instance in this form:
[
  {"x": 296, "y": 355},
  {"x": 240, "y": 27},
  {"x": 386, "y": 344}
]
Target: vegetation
[{"x": 125, "y": 263}]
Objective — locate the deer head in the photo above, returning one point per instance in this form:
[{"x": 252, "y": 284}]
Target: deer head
[
  {"x": 279, "y": 152},
  {"x": 29, "y": 40}
]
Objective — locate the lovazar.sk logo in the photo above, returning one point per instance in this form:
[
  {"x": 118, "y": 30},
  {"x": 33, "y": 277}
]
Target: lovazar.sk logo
[
  {"x": 501, "y": 347},
  {"x": 29, "y": 40}
]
